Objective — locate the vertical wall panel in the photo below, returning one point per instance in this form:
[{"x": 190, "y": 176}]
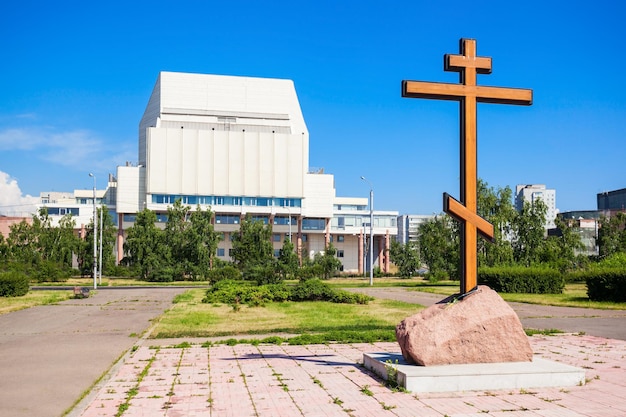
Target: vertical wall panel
[
  {"x": 236, "y": 163},
  {"x": 204, "y": 162},
  {"x": 173, "y": 167},
  {"x": 189, "y": 180},
  {"x": 221, "y": 162}
]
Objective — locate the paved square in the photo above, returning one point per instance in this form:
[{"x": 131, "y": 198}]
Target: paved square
[{"x": 329, "y": 380}]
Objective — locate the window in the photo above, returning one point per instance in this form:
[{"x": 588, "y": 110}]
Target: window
[
  {"x": 130, "y": 218},
  {"x": 313, "y": 224},
  {"x": 276, "y": 237},
  {"x": 340, "y": 238},
  {"x": 283, "y": 221},
  {"x": 340, "y": 253},
  {"x": 220, "y": 251},
  {"x": 276, "y": 253},
  {"x": 226, "y": 219},
  {"x": 304, "y": 238},
  {"x": 263, "y": 219}
]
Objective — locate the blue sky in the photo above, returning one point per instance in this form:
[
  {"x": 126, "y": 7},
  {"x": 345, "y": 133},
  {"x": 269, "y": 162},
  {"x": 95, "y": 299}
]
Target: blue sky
[{"x": 76, "y": 77}]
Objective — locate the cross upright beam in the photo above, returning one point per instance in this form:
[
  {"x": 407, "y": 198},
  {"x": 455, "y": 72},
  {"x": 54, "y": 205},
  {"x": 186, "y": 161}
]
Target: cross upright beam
[{"x": 468, "y": 94}]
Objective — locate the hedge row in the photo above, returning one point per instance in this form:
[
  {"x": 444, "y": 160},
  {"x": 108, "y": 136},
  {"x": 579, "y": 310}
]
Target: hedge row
[
  {"x": 522, "y": 280},
  {"x": 13, "y": 284},
  {"x": 243, "y": 292},
  {"x": 607, "y": 284}
]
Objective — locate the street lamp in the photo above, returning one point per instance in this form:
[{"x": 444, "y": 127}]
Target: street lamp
[
  {"x": 371, "y": 250},
  {"x": 100, "y": 260},
  {"x": 95, "y": 234}
]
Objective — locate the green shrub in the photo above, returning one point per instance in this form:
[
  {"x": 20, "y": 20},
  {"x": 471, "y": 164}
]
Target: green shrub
[
  {"x": 162, "y": 274},
  {"x": 243, "y": 292},
  {"x": 316, "y": 290},
  {"x": 309, "y": 272},
  {"x": 434, "y": 277},
  {"x": 616, "y": 260},
  {"x": 345, "y": 297},
  {"x": 262, "y": 274},
  {"x": 49, "y": 271},
  {"x": 606, "y": 284},
  {"x": 13, "y": 284},
  {"x": 522, "y": 280},
  {"x": 280, "y": 292},
  {"x": 311, "y": 290},
  {"x": 227, "y": 272},
  {"x": 120, "y": 271}
]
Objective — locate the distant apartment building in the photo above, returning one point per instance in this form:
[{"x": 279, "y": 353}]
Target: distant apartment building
[
  {"x": 612, "y": 201},
  {"x": 78, "y": 203},
  {"x": 7, "y": 221},
  {"x": 585, "y": 223},
  {"x": 533, "y": 192},
  {"x": 408, "y": 226}
]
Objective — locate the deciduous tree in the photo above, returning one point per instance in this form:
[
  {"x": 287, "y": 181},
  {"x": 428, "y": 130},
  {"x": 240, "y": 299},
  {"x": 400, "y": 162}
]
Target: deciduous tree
[{"x": 405, "y": 257}]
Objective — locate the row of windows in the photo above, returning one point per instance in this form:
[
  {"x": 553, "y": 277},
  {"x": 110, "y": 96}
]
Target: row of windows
[
  {"x": 307, "y": 223},
  {"x": 213, "y": 200},
  {"x": 222, "y": 252},
  {"x": 276, "y": 237},
  {"x": 341, "y": 222},
  {"x": 349, "y": 207},
  {"x": 132, "y": 218},
  {"x": 81, "y": 200},
  {"x": 62, "y": 211}
]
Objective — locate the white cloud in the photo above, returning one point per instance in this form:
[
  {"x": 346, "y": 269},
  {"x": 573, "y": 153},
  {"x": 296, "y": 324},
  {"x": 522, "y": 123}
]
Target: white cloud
[
  {"x": 12, "y": 202},
  {"x": 77, "y": 149}
]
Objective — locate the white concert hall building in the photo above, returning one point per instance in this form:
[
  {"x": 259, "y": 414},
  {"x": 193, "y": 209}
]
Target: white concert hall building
[{"x": 240, "y": 146}]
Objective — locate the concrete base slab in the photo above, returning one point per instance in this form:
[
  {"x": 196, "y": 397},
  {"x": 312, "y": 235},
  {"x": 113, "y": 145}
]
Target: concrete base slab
[{"x": 474, "y": 377}]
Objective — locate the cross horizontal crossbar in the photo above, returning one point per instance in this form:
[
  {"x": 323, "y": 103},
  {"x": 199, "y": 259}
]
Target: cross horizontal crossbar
[
  {"x": 454, "y": 208},
  {"x": 457, "y": 92}
]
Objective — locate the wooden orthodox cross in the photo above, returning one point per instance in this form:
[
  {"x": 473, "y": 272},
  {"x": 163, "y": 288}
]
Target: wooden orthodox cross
[{"x": 468, "y": 65}]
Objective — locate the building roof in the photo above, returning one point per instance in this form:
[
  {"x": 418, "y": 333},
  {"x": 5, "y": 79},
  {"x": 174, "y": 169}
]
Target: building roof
[{"x": 241, "y": 100}]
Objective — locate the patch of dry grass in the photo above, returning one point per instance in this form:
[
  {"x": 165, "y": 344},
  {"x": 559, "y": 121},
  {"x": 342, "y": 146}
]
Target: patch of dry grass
[{"x": 33, "y": 298}]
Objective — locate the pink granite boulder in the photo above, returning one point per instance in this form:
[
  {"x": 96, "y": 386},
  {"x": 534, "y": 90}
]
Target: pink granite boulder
[{"x": 479, "y": 328}]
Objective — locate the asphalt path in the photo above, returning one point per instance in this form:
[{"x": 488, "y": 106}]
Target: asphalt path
[
  {"x": 609, "y": 324},
  {"x": 49, "y": 355}
]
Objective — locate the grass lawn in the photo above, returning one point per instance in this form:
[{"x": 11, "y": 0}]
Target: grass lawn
[
  {"x": 189, "y": 317},
  {"x": 574, "y": 294},
  {"x": 33, "y": 298}
]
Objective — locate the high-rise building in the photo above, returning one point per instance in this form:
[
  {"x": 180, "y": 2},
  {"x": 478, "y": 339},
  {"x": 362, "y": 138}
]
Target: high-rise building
[
  {"x": 612, "y": 201},
  {"x": 408, "y": 226},
  {"x": 533, "y": 192}
]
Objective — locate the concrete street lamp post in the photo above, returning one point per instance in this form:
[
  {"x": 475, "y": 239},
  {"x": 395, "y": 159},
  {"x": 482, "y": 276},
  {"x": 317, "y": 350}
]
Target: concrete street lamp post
[
  {"x": 371, "y": 249},
  {"x": 95, "y": 235}
]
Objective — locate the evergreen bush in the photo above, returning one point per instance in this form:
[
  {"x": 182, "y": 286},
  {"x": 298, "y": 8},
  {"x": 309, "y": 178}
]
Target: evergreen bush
[
  {"x": 532, "y": 280},
  {"x": 49, "y": 271},
  {"x": 227, "y": 272},
  {"x": 13, "y": 284},
  {"x": 243, "y": 292},
  {"x": 606, "y": 284}
]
